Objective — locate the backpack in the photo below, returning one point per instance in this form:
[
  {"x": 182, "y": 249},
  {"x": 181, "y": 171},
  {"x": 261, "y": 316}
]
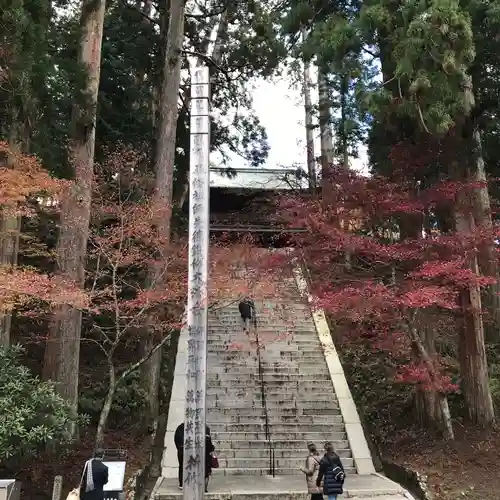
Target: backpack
[{"x": 338, "y": 474}]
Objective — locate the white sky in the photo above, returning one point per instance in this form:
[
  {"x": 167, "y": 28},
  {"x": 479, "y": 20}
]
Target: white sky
[{"x": 280, "y": 107}]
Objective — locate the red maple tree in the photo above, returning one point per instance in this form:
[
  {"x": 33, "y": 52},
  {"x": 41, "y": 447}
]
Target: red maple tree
[
  {"x": 123, "y": 246},
  {"x": 24, "y": 183},
  {"x": 381, "y": 266}
]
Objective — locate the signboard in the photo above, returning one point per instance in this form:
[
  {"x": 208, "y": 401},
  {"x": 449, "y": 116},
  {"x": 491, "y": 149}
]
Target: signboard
[
  {"x": 116, "y": 476},
  {"x": 57, "y": 489}
]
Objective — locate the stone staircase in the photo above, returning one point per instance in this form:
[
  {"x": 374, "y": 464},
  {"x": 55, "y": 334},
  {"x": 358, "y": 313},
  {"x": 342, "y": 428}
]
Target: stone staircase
[
  {"x": 299, "y": 400},
  {"x": 307, "y": 398}
]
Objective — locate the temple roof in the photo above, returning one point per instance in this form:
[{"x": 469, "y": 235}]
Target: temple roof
[{"x": 258, "y": 178}]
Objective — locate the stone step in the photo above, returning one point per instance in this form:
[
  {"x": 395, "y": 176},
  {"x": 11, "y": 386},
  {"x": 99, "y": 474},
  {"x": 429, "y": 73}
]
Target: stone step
[
  {"x": 279, "y": 463},
  {"x": 305, "y": 406},
  {"x": 283, "y": 376},
  {"x": 265, "y": 310},
  {"x": 271, "y": 344},
  {"x": 252, "y": 373},
  {"x": 275, "y": 321},
  {"x": 283, "y": 333},
  {"x": 243, "y": 369},
  {"x": 278, "y": 445},
  {"x": 310, "y": 351},
  {"x": 280, "y": 427},
  {"x": 325, "y": 434},
  {"x": 288, "y": 330},
  {"x": 278, "y": 411},
  {"x": 257, "y": 411},
  {"x": 299, "y": 453},
  {"x": 289, "y": 385},
  {"x": 277, "y": 416},
  {"x": 266, "y": 471},
  {"x": 317, "y": 359},
  {"x": 278, "y": 351},
  {"x": 254, "y": 393}
]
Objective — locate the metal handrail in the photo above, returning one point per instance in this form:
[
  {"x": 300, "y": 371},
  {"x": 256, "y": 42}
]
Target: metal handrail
[
  {"x": 262, "y": 387},
  {"x": 272, "y": 459},
  {"x": 267, "y": 430}
]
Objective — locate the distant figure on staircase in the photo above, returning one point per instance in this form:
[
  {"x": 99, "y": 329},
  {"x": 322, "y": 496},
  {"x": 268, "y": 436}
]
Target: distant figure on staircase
[
  {"x": 179, "y": 444},
  {"x": 247, "y": 312},
  {"x": 332, "y": 470},
  {"x": 311, "y": 471}
]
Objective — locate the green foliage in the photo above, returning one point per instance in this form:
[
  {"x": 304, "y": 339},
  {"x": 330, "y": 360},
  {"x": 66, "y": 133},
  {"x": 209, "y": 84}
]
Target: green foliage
[
  {"x": 129, "y": 402},
  {"x": 33, "y": 414},
  {"x": 385, "y": 405},
  {"x": 493, "y": 353}
]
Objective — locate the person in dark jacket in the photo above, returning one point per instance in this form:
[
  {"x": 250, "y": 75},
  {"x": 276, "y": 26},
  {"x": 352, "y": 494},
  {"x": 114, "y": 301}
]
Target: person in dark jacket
[
  {"x": 247, "y": 313},
  {"x": 95, "y": 476},
  {"x": 209, "y": 449},
  {"x": 331, "y": 471},
  {"x": 179, "y": 444}
]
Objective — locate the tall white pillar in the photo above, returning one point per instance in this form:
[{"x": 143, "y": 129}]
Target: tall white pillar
[{"x": 199, "y": 228}]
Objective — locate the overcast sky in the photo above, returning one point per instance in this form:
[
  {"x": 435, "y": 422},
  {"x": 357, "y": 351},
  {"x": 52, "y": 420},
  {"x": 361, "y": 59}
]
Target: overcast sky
[{"x": 280, "y": 107}]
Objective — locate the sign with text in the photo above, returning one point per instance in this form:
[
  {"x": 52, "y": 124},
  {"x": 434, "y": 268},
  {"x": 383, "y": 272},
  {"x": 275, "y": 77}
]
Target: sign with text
[{"x": 116, "y": 476}]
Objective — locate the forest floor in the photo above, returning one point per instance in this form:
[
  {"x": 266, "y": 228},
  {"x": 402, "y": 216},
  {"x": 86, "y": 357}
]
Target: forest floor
[
  {"x": 37, "y": 475},
  {"x": 467, "y": 468}
]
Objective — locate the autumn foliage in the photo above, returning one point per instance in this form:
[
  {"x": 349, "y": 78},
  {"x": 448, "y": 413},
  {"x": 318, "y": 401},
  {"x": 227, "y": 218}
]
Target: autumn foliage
[
  {"x": 391, "y": 272},
  {"x": 24, "y": 187}
]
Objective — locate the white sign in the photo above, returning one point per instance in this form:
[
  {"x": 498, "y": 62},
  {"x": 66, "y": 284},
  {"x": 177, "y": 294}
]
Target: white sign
[{"x": 116, "y": 476}]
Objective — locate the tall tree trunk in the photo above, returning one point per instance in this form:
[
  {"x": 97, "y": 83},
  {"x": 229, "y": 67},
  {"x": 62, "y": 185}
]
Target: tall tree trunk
[
  {"x": 487, "y": 255},
  {"x": 182, "y": 190},
  {"x": 220, "y": 39},
  {"x": 440, "y": 409},
  {"x": 108, "y": 403},
  {"x": 164, "y": 174},
  {"x": 10, "y": 227},
  {"x": 325, "y": 128},
  {"x": 427, "y": 402},
  {"x": 344, "y": 90},
  {"x": 62, "y": 354},
  {"x": 308, "y": 109},
  {"x": 472, "y": 353}
]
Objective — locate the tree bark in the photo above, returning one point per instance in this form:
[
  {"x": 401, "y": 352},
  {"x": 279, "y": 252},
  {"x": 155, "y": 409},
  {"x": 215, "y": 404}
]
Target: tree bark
[
  {"x": 10, "y": 227},
  {"x": 431, "y": 410},
  {"x": 344, "y": 90},
  {"x": 439, "y": 401},
  {"x": 428, "y": 401},
  {"x": 325, "y": 128},
  {"x": 487, "y": 257},
  {"x": 311, "y": 158},
  {"x": 472, "y": 353},
  {"x": 63, "y": 349},
  {"x": 106, "y": 407},
  {"x": 10, "y": 221},
  {"x": 164, "y": 175}
]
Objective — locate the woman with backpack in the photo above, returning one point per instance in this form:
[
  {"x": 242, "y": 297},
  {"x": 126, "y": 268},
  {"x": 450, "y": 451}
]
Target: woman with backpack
[
  {"x": 331, "y": 471},
  {"x": 311, "y": 470}
]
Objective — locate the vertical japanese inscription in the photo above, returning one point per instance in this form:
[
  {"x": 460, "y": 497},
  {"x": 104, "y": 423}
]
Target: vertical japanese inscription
[{"x": 194, "y": 418}]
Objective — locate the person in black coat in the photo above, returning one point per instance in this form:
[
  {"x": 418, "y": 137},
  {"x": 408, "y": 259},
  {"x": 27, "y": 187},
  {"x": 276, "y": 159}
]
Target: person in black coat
[
  {"x": 179, "y": 444},
  {"x": 209, "y": 449},
  {"x": 95, "y": 476},
  {"x": 247, "y": 313},
  {"x": 331, "y": 471}
]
